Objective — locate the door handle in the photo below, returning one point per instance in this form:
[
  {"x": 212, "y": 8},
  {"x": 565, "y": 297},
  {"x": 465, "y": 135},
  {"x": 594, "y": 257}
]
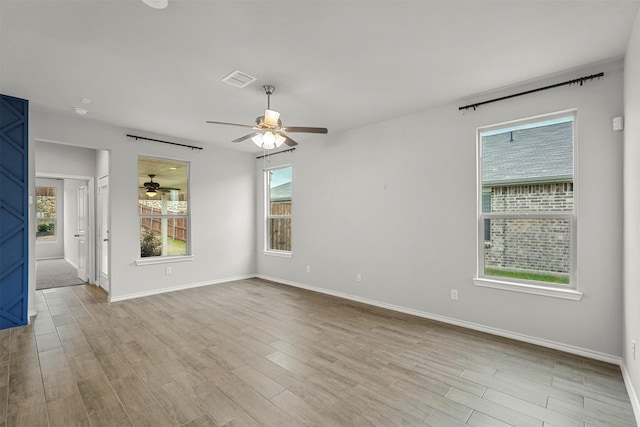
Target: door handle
[
  {"x": 76, "y": 235},
  {"x": 105, "y": 240}
]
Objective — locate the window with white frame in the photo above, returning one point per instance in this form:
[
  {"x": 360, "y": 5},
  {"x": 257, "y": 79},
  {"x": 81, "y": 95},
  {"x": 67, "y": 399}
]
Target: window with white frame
[
  {"x": 278, "y": 203},
  {"x": 163, "y": 207},
  {"x": 46, "y": 213},
  {"x": 526, "y": 224}
]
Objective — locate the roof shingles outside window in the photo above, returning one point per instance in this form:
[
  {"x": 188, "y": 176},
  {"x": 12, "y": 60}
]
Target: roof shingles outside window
[{"x": 537, "y": 154}]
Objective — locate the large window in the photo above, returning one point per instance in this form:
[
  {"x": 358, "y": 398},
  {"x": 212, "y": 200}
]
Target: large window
[
  {"x": 46, "y": 213},
  {"x": 163, "y": 207},
  {"x": 278, "y": 209},
  {"x": 526, "y": 202}
]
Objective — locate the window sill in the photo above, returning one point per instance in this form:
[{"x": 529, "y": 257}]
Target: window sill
[
  {"x": 163, "y": 259},
  {"x": 281, "y": 254},
  {"x": 570, "y": 294}
]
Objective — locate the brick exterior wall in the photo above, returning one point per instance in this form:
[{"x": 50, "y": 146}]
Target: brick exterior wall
[{"x": 540, "y": 245}]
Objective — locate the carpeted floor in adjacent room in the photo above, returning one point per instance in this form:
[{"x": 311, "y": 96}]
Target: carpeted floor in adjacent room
[{"x": 55, "y": 273}]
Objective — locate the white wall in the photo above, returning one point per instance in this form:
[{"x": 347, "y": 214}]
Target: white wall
[
  {"x": 61, "y": 159},
  {"x": 632, "y": 211},
  {"x": 396, "y": 202},
  {"x": 222, "y": 205},
  {"x": 102, "y": 163}
]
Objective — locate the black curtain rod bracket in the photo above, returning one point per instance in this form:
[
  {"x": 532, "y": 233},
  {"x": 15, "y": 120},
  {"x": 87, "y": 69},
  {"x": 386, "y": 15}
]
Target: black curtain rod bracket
[
  {"x": 273, "y": 154},
  {"x": 579, "y": 80},
  {"x": 136, "y": 137}
]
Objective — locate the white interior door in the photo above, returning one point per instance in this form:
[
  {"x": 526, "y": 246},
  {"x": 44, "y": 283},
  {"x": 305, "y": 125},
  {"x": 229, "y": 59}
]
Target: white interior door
[
  {"x": 81, "y": 232},
  {"x": 103, "y": 233}
]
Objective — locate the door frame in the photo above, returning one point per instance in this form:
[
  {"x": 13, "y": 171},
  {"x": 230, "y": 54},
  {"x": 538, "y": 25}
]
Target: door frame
[
  {"x": 91, "y": 255},
  {"x": 98, "y": 229}
]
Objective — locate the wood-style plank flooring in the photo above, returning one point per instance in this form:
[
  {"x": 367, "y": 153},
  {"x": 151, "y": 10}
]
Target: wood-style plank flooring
[{"x": 255, "y": 353}]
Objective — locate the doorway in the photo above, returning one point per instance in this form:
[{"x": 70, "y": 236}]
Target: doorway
[
  {"x": 63, "y": 231},
  {"x": 83, "y": 172}
]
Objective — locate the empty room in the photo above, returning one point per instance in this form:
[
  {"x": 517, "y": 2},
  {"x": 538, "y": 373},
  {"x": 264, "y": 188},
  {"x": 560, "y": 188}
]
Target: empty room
[{"x": 319, "y": 213}]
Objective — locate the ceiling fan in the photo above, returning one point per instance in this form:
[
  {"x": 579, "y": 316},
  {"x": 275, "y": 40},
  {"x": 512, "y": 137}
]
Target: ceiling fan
[
  {"x": 152, "y": 188},
  {"x": 269, "y": 132}
]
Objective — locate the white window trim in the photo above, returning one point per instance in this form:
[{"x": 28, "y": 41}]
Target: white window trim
[
  {"x": 266, "y": 250},
  {"x": 163, "y": 260},
  {"x": 570, "y": 292},
  {"x": 281, "y": 254},
  {"x": 54, "y": 219},
  {"x": 547, "y": 291},
  {"x": 169, "y": 258}
]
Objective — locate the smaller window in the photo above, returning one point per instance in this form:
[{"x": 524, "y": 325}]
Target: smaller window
[
  {"x": 278, "y": 209},
  {"x": 46, "y": 216}
]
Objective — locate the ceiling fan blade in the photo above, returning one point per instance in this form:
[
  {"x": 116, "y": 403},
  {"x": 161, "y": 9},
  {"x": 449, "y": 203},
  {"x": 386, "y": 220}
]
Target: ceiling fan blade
[
  {"x": 290, "y": 142},
  {"x": 242, "y": 138},
  {"x": 230, "y": 124},
  {"x": 303, "y": 129}
]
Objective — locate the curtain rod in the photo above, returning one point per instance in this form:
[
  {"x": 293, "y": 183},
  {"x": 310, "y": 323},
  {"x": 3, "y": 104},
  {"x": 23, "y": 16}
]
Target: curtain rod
[
  {"x": 579, "y": 80},
  {"x": 193, "y": 147},
  {"x": 279, "y": 152}
]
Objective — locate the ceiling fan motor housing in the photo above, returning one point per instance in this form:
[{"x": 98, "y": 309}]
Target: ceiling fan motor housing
[
  {"x": 262, "y": 123},
  {"x": 151, "y": 184}
]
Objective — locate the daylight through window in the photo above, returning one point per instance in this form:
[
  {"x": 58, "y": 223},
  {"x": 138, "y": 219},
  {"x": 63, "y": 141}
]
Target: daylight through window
[
  {"x": 278, "y": 209},
  {"x": 46, "y": 217},
  {"x": 526, "y": 201},
  {"x": 163, "y": 207}
]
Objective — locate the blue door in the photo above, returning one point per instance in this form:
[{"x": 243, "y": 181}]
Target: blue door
[{"x": 14, "y": 212}]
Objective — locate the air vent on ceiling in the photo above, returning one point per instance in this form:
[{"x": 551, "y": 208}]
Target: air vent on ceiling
[{"x": 239, "y": 79}]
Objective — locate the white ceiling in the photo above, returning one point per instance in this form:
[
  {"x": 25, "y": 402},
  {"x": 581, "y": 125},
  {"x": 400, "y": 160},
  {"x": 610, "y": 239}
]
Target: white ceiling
[{"x": 336, "y": 64}]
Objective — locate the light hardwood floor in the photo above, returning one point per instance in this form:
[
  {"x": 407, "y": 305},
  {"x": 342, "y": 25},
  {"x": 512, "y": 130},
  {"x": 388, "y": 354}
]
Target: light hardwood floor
[{"x": 255, "y": 353}]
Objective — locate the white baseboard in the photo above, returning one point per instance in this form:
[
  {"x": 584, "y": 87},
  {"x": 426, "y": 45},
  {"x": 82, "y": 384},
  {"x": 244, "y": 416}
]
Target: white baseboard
[
  {"x": 633, "y": 396},
  {"x": 178, "y": 288},
  {"x": 72, "y": 264},
  {"x": 603, "y": 357}
]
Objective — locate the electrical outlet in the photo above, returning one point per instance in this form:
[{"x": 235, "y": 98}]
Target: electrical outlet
[
  {"x": 308, "y": 269},
  {"x": 454, "y": 294},
  {"x": 633, "y": 349},
  {"x": 167, "y": 271},
  {"x": 358, "y": 277}
]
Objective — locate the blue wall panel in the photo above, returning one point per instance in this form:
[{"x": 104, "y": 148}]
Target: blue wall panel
[{"x": 14, "y": 212}]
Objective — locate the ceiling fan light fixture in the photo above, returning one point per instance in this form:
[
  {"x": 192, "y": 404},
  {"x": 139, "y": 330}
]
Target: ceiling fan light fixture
[
  {"x": 151, "y": 193},
  {"x": 269, "y": 138},
  {"x": 279, "y": 140},
  {"x": 257, "y": 139},
  {"x": 271, "y": 117}
]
